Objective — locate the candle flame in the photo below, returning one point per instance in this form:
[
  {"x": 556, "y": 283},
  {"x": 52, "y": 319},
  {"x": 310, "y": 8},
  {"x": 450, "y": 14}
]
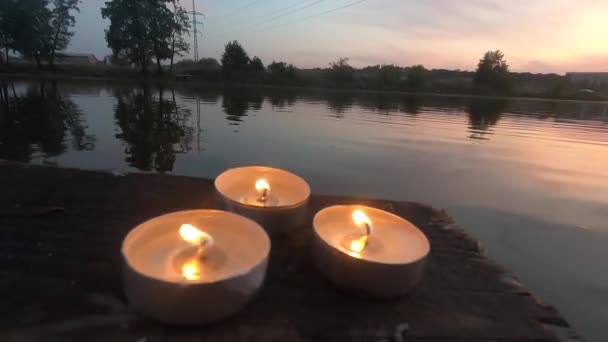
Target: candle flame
[
  {"x": 191, "y": 270},
  {"x": 362, "y": 221},
  {"x": 262, "y": 187},
  {"x": 358, "y": 245},
  {"x": 194, "y": 235}
]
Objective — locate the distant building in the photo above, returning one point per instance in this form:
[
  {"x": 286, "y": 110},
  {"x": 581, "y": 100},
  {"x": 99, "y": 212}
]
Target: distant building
[
  {"x": 121, "y": 60},
  {"x": 76, "y": 58},
  {"x": 588, "y": 80}
]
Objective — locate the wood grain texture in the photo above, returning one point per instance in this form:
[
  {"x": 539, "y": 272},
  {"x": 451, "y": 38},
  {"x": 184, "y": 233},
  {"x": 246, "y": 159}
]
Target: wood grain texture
[{"x": 60, "y": 272}]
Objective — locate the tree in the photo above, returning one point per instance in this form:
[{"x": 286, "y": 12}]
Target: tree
[
  {"x": 493, "y": 72},
  {"x": 61, "y": 22},
  {"x": 417, "y": 77},
  {"x": 341, "y": 71},
  {"x": 7, "y": 27},
  {"x": 234, "y": 59},
  {"x": 181, "y": 26},
  {"x": 32, "y": 30},
  {"x": 256, "y": 65},
  {"x": 209, "y": 63},
  {"x": 141, "y": 30},
  {"x": 390, "y": 74},
  {"x": 282, "y": 71},
  {"x": 161, "y": 31}
]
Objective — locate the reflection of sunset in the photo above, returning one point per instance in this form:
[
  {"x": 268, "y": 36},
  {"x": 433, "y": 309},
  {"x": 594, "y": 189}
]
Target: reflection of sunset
[{"x": 570, "y": 168}]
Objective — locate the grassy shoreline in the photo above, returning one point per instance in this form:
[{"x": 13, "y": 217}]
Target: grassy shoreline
[{"x": 133, "y": 76}]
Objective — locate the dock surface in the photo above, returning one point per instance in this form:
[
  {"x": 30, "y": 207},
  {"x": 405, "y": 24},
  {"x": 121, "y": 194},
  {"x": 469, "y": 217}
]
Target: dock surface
[{"x": 60, "y": 272}]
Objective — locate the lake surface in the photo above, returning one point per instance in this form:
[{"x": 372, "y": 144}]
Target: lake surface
[{"x": 529, "y": 178}]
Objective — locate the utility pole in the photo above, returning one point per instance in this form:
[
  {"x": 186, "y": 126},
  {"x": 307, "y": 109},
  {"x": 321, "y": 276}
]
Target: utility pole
[{"x": 195, "y": 30}]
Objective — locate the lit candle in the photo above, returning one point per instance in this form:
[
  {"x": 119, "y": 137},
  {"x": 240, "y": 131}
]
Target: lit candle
[
  {"x": 368, "y": 250},
  {"x": 275, "y": 198},
  {"x": 202, "y": 242},
  {"x": 194, "y": 267}
]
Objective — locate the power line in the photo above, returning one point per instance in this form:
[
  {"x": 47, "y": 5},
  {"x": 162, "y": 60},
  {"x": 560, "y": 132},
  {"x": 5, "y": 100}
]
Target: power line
[
  {"x": 272, "y": 19},
  {"x": 289, "y": 7},
  {"x": 293, "y": 11},
  {"x": 236, "y": 10},
  {"x": 316, "y": 15},
  {"x": 266, "y": 15}
]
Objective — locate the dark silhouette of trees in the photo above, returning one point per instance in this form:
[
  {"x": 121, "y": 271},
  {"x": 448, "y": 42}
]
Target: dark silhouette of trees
[
  {"x": 209, "y": 63},
  {"x": 390, "y": 75},
  {"x": 281, "y": 71},
  {"x": 181, "y": 28},
  {"x": 61, "y": 22},
  {"x": 417, "y": 77},
  {"x": 37, "y": 28},
  {"x": 7, "y": 27},
  {"x": 256, "y": 65},
  {"x": 493, "y": 72},
  {"x": 29, "y": 29},
  {"x": 143, "y": 30},
  {"x": 341, "y": 71},
  {"x": 155, "y": 129},
  {"x": 235, "y": 60}
]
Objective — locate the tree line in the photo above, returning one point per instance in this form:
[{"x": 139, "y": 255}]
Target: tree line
[
  {"x": 38, "y": 29},
  {"x": 154, "y": 32},
  {"x": 141, "y": 31}
]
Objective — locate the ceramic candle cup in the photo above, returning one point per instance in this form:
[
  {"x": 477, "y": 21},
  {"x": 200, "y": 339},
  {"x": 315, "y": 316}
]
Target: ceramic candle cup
[
  {"x": 194, "y": 267},
  {"x": 276, "y": 199},
  {"x": 380, "y": 256}
]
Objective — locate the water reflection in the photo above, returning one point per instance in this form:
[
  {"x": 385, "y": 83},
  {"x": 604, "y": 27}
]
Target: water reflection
[
  {"x": 340, "y": 103},
  {"x": 381, "y": 103},
  {"x": 236, "y": 103},
  {"x": 37, "y": 121},
  {"x": 154, "y": 128},
  {"x": 483, "y": 114},
  {"x": 411, "y": 104},
  {"x": 282, "y": 98}
]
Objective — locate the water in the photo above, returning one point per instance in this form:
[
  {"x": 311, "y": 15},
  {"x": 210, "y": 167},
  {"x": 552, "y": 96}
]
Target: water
[{"x": 529, "y": 178}]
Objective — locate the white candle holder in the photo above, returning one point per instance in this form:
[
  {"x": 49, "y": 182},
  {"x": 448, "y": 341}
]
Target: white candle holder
[
  {"x": 276, "y": 199},
  {"x": 381, "y": 256},
  {"x": 198, "y": 281}
]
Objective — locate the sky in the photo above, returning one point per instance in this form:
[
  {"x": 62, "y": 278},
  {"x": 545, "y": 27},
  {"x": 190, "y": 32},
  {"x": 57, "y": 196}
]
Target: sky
[{"x": 540, "y": 36}]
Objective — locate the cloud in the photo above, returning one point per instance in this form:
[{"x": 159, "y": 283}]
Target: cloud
[{"x": 536, "y": 35}]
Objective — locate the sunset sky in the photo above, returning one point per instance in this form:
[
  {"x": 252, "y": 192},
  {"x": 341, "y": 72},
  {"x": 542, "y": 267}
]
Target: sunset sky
[{"x": 536, "y": 35}]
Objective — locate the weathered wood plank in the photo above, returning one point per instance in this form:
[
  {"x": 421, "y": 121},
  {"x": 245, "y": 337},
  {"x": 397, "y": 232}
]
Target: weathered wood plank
[{"x": 60, "y": 236}]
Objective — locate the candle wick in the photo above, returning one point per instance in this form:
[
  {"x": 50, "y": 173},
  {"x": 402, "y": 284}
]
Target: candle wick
[
  {"x": 263, "y": 198},
  {"x": 202, "y": 248},
  {"x": 368, "y": 229}
]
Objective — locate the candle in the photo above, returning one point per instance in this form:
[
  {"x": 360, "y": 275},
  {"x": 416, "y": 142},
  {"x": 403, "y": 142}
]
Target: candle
[
  {"x": 194, "y": 267},
  {"x": 276, "y": 199},
  {"x": 369, "y": 251}
]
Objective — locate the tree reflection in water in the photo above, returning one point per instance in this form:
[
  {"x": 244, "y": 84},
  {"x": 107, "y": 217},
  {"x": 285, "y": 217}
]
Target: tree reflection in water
[
  {"x": 338, "y": 103},
  {"x": 411, "y": 104},
  {"x": 484, "y": 113},
  {"x": 237, "y": 103},
  {"x": 155, "y": 129},
  {"x": 37, "y": 122}
]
